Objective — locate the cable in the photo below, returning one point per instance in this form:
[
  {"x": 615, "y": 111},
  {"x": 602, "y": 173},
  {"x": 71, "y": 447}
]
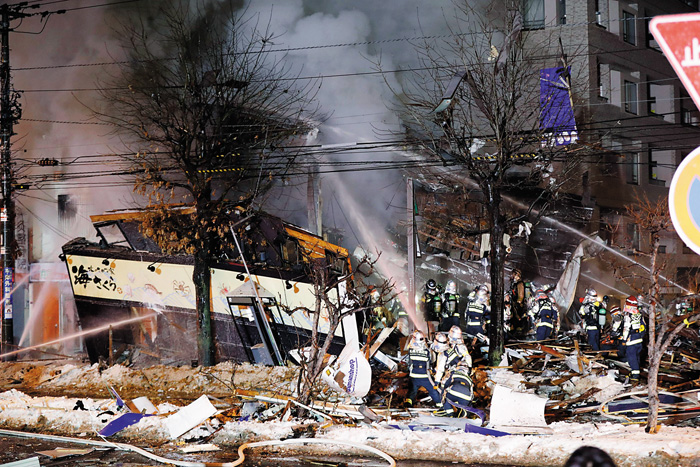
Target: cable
[{"x": 353, "y": 44}]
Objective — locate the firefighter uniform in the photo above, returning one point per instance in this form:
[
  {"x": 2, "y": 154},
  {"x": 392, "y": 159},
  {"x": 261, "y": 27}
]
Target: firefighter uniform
[
  {"x": 419, "y": 372},
  {"x": 546, "y": 316},
  {"x": 459, "y": 389},
  {"x": 477, "y": 312},
  {"x": 589, "y": 316},
  {"x": 633, "y": 336},
  {"x": 450, "y": 308}
]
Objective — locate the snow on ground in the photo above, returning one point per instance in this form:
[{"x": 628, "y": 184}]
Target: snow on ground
[{"x": 629, "y": 445}]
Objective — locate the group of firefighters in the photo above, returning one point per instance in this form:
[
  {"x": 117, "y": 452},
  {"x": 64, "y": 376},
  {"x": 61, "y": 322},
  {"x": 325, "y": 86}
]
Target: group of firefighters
[{"x": 443, "y": 367}]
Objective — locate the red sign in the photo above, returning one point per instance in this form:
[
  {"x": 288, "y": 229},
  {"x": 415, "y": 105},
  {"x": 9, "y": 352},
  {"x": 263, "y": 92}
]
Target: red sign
[{"x": 679, "y": 39}]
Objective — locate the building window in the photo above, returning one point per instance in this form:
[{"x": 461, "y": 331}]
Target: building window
[
  {"x": 650, "y": 41},
  {"x": 633, "y": 169},
  {"x": 533, "y": 14},
  {"x": 562, "y": 11},
  {"x": 629, "y": 28},
  {"x": 662, "y": 249},
  {"x": 686, "y": 117},
  {"x": 630, "y": 89}
]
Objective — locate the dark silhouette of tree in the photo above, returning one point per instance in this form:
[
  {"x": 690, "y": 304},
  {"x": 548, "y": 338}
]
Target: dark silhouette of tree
[{"x": 206, "y": 108}]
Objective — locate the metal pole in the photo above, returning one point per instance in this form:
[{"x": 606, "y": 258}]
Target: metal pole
[
  {"x": 410, "y": 237},
  {"x": 7, "y": 212}
]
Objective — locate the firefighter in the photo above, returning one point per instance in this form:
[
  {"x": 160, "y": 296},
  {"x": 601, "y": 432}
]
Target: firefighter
[
  {"x": 381, "y": 317},
  {"x": 610, "y": 337},
  {"x": 458, "y": 350},
  {"x": 633, "y": 329},
  {"x": 603, "y": 312},
  {"x": 432, "y": 304},
  {"x": 440, "y": 348},
  {"x": 477, "y": 312},
  {"x": 589, "y": 318},
  {"x": 450, "y": 307},
  {"x": 419, "y": 368},
  {"x": 518, "y": 305},
  {"x": 459, "y": 389},
  {"x": 545, "y": 315}
]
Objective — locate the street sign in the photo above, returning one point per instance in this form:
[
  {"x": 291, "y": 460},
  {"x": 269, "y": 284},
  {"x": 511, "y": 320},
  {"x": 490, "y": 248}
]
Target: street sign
[
  {"x": 679, "y": 39},
  {"x": 684, "y": 200}
]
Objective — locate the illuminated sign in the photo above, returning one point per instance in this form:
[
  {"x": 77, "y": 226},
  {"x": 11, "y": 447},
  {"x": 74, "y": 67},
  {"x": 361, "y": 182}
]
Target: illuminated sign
[{"x": 684, "y": 200}]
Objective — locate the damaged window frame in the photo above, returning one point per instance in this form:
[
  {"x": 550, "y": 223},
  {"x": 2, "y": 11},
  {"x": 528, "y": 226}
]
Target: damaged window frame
[{"x": 102, "y": 232}]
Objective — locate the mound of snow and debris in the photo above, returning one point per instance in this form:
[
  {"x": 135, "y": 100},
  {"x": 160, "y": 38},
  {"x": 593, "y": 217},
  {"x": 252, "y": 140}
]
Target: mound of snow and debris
[{"x": 251, "y": 404}]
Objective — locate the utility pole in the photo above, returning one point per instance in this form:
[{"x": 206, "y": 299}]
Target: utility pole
[
  {"x": 10, "y": 113},
  {"x": 7, "y": 217}
]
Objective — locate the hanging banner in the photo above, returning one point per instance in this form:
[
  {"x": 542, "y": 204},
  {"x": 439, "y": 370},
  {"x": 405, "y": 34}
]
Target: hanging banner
[
  {"x": 7, "y": 282},
  {"x": 556, "y": 107}
]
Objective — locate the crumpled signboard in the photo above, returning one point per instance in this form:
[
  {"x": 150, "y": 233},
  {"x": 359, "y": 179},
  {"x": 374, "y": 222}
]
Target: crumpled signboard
[{"x": 351, "y": 375}]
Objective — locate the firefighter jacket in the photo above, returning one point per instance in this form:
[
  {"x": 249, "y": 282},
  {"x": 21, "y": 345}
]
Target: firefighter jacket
[
  {"x": 419, "y": 363},
  {"x": 440, "y": 365},
  {"x": 450, "y": 306},
  {"x": 432, "y": 304},
  {"x": 517, "y": 297},
  {"x": 589, "y": 315},
  {"x": 476, "y": 313},
  {"x": 456, "y": 354},
  {"x": 633, "y": 329},
  {"x": 459, "y": 386},
  {"x": 616, "y": 324},
  {"x": 545, "y": 314}
]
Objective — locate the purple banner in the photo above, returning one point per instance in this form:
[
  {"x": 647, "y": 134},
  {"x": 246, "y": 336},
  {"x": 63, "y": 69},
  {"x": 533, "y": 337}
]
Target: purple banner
[{"x": 556, "y": 107}]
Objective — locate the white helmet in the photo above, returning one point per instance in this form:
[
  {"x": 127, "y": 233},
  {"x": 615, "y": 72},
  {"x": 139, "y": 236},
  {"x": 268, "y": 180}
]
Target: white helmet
[
  {"x": 451, "y": 287},
  {"x": 591, "y": 296},
  {"x": 376, "y": 295},
  {"x": 417, "y": 340},
  {"x": 455, "y": 335},
  {"x": 440, "y": 343}
]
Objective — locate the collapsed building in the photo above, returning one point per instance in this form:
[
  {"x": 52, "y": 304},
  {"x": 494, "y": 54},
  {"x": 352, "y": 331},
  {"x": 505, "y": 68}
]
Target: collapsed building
[{"x": 132, "y": 297}]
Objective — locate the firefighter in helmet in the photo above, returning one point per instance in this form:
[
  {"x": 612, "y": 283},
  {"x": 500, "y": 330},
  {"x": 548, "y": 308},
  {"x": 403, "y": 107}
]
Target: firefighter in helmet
[
  {"x": 633, "y": 330},
  {"x": 518, "y": 305},
  {"x": 478, "y": 311},
  {"x": 419, "y": 363},
  {"x": 545, "y": 315},
  {"x": 450, "y": 307},
  {"x": 589, "y": 318},
  {"x": 440, "y": 348},
  {"x": 459, "y": 391},
  {"x": 432, "y": 304}
]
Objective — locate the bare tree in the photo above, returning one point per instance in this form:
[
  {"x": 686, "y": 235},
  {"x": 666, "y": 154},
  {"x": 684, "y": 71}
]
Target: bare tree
[
  {"x": 206, "y": 106},
  {"x": 475, "y": 103},
  {"x": 664, "y": 324},
  {"x": 337, "y": 297}
]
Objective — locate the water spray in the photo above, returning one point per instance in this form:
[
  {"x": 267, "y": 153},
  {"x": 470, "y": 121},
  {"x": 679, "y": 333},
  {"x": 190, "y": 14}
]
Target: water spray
[{"x": 81, "y": 333}]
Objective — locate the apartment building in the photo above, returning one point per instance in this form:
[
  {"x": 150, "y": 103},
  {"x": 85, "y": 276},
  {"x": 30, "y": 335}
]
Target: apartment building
[{"x": 631, "y": 103}]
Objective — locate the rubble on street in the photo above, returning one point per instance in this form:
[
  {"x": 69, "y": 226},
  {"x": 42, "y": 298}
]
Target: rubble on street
[{"x": 553, "y": 395}]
